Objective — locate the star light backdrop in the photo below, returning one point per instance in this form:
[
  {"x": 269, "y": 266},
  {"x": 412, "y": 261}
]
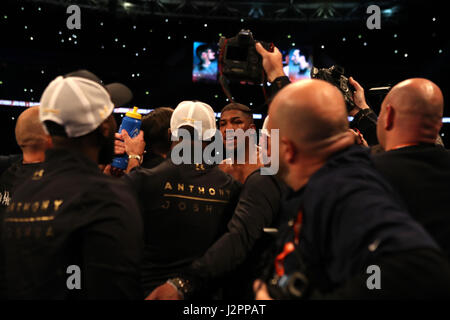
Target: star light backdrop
[{"x": 147, "y": 45}]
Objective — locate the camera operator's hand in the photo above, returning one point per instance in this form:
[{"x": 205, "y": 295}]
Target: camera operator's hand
[
  {"x": 359, "y": 138},
  {"x": 134, "y": 146},
  {"x": 358, "y": 97},
  {"x": 164, "y": 292},
  {"x": 261, "y": 291},
  {"x": 272, "y": 62}
]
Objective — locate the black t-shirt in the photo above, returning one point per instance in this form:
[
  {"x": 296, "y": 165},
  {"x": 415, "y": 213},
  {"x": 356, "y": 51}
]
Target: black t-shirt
[
  {"x": 13, "y": 177},
  {"x": 241, "y": 249},
  {"x": 258, "y": 207},
  {"x": 9, "y": 180},
  {"x": 69, "y": 214},
  {"x": 421, "y": 175},
  {"x": 185, "y": 210}
]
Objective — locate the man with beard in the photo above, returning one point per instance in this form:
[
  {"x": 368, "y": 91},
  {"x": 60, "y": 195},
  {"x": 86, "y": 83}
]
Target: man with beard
[
  {"x": 71, "y": 232},
  {"x": 239, "y": 140},
  {"x": 349, "y": 226}
]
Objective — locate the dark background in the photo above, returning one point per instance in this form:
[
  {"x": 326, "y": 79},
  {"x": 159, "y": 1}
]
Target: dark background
[{"x": 165, "y": 65}]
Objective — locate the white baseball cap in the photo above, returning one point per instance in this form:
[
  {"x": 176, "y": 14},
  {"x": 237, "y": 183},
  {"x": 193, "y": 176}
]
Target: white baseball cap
[
  {"x": 196, "y": 114},
  {"x": 78, "y": 104}
]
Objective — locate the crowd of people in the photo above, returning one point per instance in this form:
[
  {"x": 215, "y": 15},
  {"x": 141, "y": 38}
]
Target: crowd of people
[{"x": 355, "y": 210}]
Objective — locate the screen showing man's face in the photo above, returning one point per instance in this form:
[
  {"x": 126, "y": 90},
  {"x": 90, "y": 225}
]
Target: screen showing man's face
[{"x": 208, "y": 55}]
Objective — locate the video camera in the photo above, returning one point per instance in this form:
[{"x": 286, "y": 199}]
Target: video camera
[
  {"x": 335, "y": 76},
  {"x": 239, "y": 60}
]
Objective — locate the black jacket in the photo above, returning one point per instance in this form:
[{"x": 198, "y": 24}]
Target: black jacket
[
  {"x": 351, "y": 220},
  {"x": 421, "y": 175},
  {"x": 185, "y": 209},
  {"x": 69, "y": 213}
]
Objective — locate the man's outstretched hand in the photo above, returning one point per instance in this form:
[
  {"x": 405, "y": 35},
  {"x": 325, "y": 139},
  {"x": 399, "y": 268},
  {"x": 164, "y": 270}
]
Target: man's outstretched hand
[
  {"x": 164, "y": 292},
  {"x": 358, "y": 97},
  {"x": 272, "y": 62}
]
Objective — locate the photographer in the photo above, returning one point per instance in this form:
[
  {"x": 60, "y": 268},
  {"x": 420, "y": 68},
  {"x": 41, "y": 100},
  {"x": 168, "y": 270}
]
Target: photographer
[
  {"x": 348, "y": 218},
  {"x": 364, "y": 119}
]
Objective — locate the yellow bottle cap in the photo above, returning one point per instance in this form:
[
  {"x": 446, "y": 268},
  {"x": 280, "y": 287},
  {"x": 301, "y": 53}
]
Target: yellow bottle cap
[{"x": 134, "y": 114}]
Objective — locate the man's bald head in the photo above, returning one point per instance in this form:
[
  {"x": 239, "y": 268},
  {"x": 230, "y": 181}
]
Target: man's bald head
[
  {"x": 412, "y": 110},
  {"x": 309, "y": 113},
  {"x": 30, "y": 134}
]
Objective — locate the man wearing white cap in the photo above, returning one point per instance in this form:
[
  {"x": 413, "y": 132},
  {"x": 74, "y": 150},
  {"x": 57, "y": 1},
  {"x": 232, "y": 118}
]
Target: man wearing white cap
[
  {"x": 185, "y": 206},
  {"x": 71, "y": 232}
]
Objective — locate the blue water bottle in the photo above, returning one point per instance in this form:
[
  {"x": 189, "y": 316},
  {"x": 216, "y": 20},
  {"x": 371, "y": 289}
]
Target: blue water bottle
[{"x": 131, "y": 123}]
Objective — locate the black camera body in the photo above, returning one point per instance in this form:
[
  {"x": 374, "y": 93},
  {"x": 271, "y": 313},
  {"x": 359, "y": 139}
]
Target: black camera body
[
  {"x": 335, "y": 76},
  {"x": 239, "y": 60}
]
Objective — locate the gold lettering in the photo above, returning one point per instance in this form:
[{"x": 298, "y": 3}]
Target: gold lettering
[
  {"x": 196, "y": 208},
  {"x": 18, "y": 233},
  {"x": 201, "y": 190},
  {"x": 166, "y": 205},
  {"x": 221, "y": 192},
  {"x": 182, "y": 205},
  {"x": 208, "y": 208},
  {"x": 212, "y": 191},
  {"x": 199, "y": 167},
  {"x": 45, "y": 205},
  {"x": 191, "y": 187},
  {"x": 168, "y": 186},
  {"x": 37, "y": 232},
  {"x": 49, "y": 232},
  {"x": 19, "y": 206},
  {"x": 35, "y": 206},
  {"x": 38, "y": 174},
  {"x": 26, "y": 206},
  {"x": 27, "y": 231},
  {"x": 228, "y": 192},
  {"x": 57, "y": 204},
  {"x": 11, "y": 207},
  {"x": 180, "y": 187}
]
